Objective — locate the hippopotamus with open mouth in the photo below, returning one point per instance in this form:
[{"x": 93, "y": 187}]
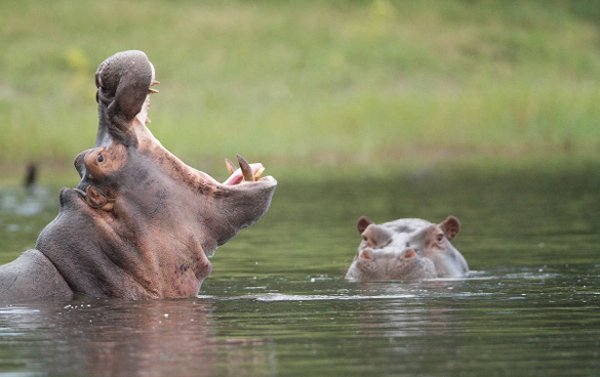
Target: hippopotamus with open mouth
[
  {"x": 141, "y": 223},
  {"x": 407, "y": 250}
]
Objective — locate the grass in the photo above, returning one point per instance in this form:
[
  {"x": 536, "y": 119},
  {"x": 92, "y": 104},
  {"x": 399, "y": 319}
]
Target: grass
[{"x": 332, "y": 84}]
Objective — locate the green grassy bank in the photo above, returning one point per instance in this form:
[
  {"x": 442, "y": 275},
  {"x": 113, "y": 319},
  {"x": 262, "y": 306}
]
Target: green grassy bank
[{"x": 351, "y": 83}]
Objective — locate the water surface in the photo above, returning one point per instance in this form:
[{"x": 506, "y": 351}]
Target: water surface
[{"x": 276, "y": 303}]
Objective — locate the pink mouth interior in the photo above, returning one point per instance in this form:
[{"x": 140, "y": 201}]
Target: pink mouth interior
[{"x": 238, "y": 177}]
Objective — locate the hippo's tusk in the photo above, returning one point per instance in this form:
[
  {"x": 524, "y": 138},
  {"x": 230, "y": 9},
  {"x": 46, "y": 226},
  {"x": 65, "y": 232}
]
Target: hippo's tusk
[
  {"x": 154, "y": 83},
  {"x": 230, "y": 166},
  {"x": 245, "y": 173},
  {"x": 246, "y": 169}
]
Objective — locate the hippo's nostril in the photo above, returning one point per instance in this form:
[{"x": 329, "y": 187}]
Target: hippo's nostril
[{"x": 409, "y": 253}]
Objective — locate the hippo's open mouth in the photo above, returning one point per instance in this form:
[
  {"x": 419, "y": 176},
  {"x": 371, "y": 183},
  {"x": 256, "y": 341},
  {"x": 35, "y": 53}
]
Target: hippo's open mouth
[
  {"x": 245, "y": 173},
  {"x": 125, "y": 82}
]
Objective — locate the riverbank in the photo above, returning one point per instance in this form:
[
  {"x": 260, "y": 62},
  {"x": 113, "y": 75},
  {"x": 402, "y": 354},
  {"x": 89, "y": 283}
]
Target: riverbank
[
  {"x": 414, "y": 169},
  {"x": 309, "y": 85}
]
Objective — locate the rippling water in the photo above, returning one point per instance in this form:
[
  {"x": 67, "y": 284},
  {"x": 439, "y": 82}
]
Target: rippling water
[{"x": 276, "y": 303}]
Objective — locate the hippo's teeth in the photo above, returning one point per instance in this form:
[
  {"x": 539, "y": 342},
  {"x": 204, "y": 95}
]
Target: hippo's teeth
[
  {"x": 230, "y": 166},
  {"x": 237, "y": 176},
  {"x": 258, "y": 173},
  {"x": 152, "y": 90},
  {"x": 246, "y": 169}
]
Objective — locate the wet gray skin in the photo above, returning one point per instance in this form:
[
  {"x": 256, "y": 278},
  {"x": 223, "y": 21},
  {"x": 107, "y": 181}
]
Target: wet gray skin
[
  {"x": 383, "y": 265},
  {"x": 407, "y": 250},
  {"x": 141, "y": 223}
]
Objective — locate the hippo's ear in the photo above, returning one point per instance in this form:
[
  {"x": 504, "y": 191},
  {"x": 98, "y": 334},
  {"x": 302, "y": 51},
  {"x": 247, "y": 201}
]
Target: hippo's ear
[
  {"x": 96, "y": 199},
  {"x": 450, "y": 227},
  {"x": 362, "y": 223}
]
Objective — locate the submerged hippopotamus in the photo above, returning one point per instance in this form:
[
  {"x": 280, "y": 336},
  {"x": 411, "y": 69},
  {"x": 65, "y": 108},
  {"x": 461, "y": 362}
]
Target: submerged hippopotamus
[
  {"x": 141, "y": 223},
  {"x": 407, "y": 250}
]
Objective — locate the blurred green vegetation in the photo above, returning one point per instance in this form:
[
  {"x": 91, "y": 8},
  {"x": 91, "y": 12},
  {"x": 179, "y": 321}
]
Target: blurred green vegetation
[{"x": 305, "y": 83}]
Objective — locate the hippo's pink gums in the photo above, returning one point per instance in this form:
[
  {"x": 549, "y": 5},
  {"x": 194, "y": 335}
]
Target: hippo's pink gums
[{"x": 141, "y": 223}]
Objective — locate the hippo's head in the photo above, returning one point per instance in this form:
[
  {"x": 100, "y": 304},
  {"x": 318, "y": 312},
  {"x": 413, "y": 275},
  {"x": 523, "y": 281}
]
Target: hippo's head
[
  {"x": 407, "y": 249},
  {"x": 141, "y": 223}
]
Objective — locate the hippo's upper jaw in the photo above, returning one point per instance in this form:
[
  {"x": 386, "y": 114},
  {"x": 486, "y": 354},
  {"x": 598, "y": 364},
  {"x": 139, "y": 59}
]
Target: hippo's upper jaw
[
  {"x": 141, "y": 223},
  {"x": 123, "y": 82}
]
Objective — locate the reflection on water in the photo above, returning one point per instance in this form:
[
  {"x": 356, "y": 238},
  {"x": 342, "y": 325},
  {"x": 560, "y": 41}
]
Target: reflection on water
[
  {"x": 19, "y": 202},
  {"x": 109, "y": 338},
  {"x": 276, "y": 303},
  {"x": 23, "y": 214}
]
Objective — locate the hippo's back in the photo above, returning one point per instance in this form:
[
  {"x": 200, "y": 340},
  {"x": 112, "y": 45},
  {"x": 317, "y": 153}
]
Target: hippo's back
[{"x": 31, "y": 276}]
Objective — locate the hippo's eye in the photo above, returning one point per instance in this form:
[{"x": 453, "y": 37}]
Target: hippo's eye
[
  {"x": 100, "y": 158},
  {"x": 439, "y": 237}
]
